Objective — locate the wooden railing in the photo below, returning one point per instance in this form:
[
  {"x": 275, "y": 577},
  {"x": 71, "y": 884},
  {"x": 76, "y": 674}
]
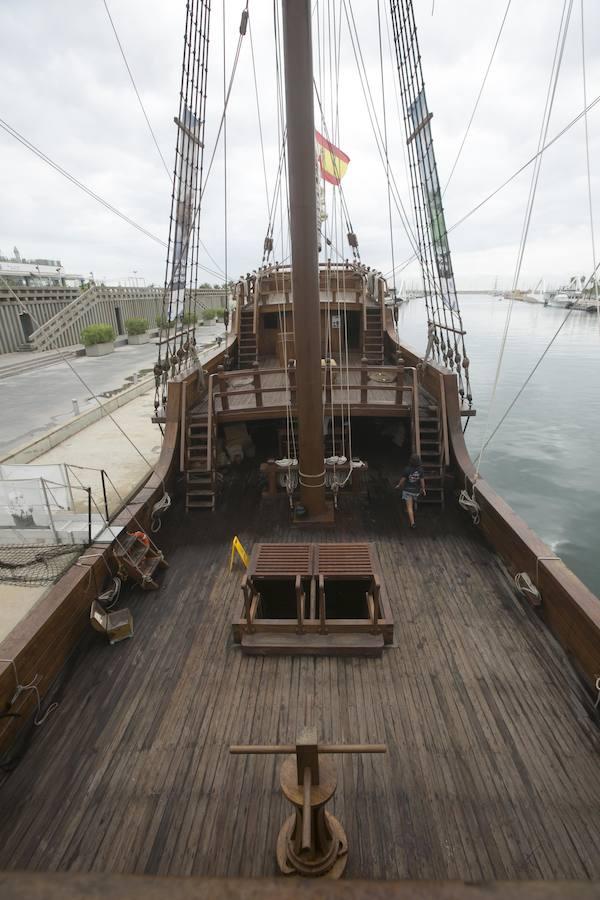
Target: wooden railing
[
  {"x": 210, "y": 426},
  {"x": 444, "y": 418},
  {"x": 416, "y": 415},
  {"x": 341, "y": 386},
  {"x": 183, "y": 428}
]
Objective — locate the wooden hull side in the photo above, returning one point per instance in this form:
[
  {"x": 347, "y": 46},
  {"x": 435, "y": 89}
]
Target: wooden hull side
[
  {"x": 42, "y": 642},
  {"x": 569, "y": 608},
  {"x": 99, "y": 885}
]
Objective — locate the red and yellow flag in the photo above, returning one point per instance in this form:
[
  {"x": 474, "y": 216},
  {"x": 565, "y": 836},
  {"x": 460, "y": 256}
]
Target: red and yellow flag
[{"x": 333, "y": 162}]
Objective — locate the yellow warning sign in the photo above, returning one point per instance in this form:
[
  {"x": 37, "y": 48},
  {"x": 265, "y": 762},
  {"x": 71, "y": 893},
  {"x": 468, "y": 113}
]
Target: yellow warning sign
[{"x": 236, "y": 547}]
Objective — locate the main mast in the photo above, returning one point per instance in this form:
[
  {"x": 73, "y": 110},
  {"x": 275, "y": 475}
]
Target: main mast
[{"x": 297, "y": 40}]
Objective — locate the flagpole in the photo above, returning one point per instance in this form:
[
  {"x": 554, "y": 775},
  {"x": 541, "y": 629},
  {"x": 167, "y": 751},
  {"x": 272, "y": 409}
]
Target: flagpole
[{"x": 297, "y": 41}]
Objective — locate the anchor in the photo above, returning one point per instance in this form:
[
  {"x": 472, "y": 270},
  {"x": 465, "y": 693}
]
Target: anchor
[{"x": 311, "y": 842}]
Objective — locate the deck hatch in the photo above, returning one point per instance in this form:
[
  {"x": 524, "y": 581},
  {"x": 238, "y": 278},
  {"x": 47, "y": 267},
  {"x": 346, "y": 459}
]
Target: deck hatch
[{"x": 316, "y": 599}]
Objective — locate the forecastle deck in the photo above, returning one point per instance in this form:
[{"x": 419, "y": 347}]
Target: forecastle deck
[{"x": 492, "y": 764}]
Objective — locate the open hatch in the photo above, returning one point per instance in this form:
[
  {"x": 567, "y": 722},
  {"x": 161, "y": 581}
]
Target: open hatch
[{"x": 314, "y": 599}]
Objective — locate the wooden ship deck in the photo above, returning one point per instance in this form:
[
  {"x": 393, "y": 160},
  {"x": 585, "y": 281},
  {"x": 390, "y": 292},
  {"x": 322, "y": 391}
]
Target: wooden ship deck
[
  {"x": 485, "y": 704},
  {"x": 491, "y": 770}
]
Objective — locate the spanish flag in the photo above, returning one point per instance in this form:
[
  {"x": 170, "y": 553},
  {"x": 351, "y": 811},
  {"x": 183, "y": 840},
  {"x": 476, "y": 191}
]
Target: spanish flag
[{"x": 333, "y": 162}]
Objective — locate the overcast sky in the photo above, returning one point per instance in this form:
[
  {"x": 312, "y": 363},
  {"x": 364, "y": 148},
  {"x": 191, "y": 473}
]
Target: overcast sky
[{"x": 65, "y": 88}]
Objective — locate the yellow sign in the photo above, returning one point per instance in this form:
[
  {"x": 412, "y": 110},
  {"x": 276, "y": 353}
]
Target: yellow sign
[{"x": 236, "y": 547}]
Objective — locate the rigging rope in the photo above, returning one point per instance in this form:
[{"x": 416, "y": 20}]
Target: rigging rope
[
  {"x": 401, "y": 266},
  {"x": 260, "y": 130},
  {"x": 368, "y": 97},
  {"x": 551, "y": 93},
  {"x": 225, "y": 208},
  {"x": 79, "y": 377},
  {"x": 181, "y": 264},
  {"x": 534, "y": 370},
  {"x": 433, "y": 251},
  {"x": 385, "y": 138},
  {"x": 587, "y": 159},
  {"x": 479, "y": 95},
  {"x": 137, "y": 94},
  {"x": 113, "y": 209}
]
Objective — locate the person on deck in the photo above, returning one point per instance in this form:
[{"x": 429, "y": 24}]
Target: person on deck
[
  {"x": 412, "y": 484},
  {"x": 226, "y": 317}
]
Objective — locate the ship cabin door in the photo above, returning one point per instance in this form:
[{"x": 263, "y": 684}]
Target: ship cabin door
[{"x": 341, "y": 328}]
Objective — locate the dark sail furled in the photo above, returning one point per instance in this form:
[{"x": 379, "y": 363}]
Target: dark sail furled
[{"x": 446, "y": 332}]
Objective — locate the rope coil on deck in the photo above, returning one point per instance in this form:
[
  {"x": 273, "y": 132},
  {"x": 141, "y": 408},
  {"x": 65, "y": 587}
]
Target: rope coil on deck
[
  {"x": 32, "y": 686},
  {"x": 160, "y": 507},
  {"x": 526, "y": 587},
  {"x": 469, "y": 503}
]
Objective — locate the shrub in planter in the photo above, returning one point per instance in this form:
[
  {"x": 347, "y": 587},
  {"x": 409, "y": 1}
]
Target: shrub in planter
[
  {"x": 210, "y": 314},
  {"x": 137, "y": 331},
  {"x": 161, "y": 321},
  {"x": 136, "y": 326},
  {"x": 97, "y": 334},
  {"x": 189, "y": 318},
  {"x": 98, "y": 339}
]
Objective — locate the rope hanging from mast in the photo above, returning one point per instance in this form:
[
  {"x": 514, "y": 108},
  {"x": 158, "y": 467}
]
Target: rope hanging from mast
[{"x": 443, "y": 311}]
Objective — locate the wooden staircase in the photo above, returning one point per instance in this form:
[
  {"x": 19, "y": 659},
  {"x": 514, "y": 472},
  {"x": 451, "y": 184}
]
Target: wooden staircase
[
  {"x": 373, "y": 336},
  {"x": 247, "y": 347},
  {"x": 52, "y": 331},
  {"x": 432, "y": 455},
  {"x": 199, "y": 470}
]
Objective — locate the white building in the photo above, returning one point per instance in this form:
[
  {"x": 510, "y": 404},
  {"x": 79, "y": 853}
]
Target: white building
[{"x": 20, "y": 272}]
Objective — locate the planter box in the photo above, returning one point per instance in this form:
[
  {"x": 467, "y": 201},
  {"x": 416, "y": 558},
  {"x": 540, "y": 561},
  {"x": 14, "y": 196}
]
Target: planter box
[
  {"x": 100, "y": 349},
  {"x": 138, "y": 338}
]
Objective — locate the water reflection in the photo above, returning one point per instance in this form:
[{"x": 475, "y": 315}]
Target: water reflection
[{"x": 543, "y": 458}]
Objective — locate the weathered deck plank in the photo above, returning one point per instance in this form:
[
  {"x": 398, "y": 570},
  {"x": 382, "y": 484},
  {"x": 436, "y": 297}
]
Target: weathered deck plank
[{"x": 492, "y": 763}]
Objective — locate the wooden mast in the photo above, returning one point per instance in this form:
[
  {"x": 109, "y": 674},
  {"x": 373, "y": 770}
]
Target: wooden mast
[{"x": 297, "y": 39}]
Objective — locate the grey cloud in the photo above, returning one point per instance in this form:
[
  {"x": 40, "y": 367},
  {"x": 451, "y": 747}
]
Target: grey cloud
[{"x": 65, "y": 88}]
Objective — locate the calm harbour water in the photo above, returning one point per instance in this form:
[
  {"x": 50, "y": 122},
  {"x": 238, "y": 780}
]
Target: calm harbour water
[{"x": 544, "y": 459}]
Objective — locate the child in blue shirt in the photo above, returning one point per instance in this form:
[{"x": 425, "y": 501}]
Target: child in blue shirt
[{"x": 412, "y": 483}]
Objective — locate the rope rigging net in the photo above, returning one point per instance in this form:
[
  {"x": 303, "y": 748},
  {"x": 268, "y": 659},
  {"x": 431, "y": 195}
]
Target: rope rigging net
[
  {"x": 177, "y": 348},
  {"x": 445, "y": 329}
]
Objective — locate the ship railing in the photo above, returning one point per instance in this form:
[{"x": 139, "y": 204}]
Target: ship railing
[{"x": 393, "y": 388}]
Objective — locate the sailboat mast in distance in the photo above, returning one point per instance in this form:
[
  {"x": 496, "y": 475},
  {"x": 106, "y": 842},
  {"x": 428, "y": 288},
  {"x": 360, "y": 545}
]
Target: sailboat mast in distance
[{"x": 297, "y": 40}]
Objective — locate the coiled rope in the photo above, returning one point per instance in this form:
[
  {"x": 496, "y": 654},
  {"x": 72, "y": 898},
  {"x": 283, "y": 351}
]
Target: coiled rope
[
  {"x": 160, "y": 507},
  {"x": 32, "y": 686}
]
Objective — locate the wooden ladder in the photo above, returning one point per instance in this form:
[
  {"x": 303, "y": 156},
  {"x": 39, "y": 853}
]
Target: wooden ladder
[
  {"x": 432, "y": 454},
  {"x": 199, "y": 469},
  {"x": 373, "y": 336},
  {"x": 247, "y": 348}
]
